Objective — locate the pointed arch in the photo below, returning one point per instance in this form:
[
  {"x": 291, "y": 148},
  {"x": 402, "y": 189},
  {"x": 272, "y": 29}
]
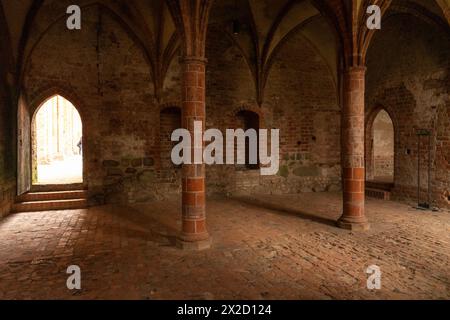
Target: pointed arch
[
  {"x": 381, "y": 165},
  {"x": 26, "y": 111},
  {"x": 56, "y": 143}
]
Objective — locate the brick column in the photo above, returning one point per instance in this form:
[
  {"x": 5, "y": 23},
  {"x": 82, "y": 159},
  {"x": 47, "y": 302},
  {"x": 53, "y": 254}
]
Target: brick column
[
  {"x": 352, "y": 146},
  {"x": 194, "y": 234}
]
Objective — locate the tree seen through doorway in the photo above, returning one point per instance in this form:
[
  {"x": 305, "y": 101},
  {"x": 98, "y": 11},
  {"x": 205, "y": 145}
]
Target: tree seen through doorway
[{"x": 57, "y": 147}]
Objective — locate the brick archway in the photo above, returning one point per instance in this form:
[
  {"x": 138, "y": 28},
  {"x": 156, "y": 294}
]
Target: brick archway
[
  {"x": 371, "y": 116},
  {"x": 68, "y": 138},
  {"x": 28, "y": 104}
]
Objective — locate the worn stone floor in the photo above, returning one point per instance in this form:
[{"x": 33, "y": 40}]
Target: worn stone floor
[{"x": 265, "y": 247}]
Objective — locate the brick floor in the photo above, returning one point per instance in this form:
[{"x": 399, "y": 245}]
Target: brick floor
[{"x": 267, "y": 247}]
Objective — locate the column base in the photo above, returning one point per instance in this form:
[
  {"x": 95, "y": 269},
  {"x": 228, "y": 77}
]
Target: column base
[
  {"x": 194, "y": 242},
  {"x": 353, "y": 223}
]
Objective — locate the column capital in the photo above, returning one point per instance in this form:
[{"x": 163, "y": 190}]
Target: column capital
[
  {"x": 355, "y": 69},
  {"x": 194, "y": 59}
]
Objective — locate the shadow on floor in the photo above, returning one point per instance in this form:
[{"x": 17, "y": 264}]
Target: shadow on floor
[
  {"x": 282, "y": 210},
  {"x": 136, "y": 224}
]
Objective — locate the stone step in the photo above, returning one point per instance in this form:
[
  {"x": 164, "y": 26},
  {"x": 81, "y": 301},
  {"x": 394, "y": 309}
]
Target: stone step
[
  {"x": 55, "y": 195},
  {"x": 378, "y": 194},
  {"x": 66, "y": 204}
]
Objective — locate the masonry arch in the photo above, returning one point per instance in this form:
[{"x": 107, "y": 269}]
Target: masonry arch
[
  {"x": 380, "y": 146},
  {"x": 28, "y": 107},
  {"x": 56, "y": 143}
]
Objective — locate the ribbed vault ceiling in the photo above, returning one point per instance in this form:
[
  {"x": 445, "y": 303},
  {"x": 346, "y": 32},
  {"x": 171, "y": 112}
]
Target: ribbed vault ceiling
[{"x": 265, "y": 25}]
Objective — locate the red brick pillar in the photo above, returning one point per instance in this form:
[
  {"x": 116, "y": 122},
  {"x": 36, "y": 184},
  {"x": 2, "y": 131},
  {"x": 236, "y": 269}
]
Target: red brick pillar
[
  {"x": 194, "y": 234},
  {"x": 352, "y": 145}
]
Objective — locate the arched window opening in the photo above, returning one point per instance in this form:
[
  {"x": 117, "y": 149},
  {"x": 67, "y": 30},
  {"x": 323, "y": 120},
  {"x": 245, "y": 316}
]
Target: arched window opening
[
  {"x": 57, "y": 143},
  {"x": 383, "y": 148},
  {"x": 170, "y": 120},
  {"x": 248, "y": 120}
]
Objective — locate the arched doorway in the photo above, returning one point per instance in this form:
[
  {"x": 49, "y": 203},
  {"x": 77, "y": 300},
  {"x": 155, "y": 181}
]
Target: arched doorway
[
  {"x": 57, "y": 149},
  {"x": 382, "y": 149}
]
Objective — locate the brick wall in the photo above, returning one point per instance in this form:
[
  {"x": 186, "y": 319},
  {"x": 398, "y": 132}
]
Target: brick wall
[
  {"x": 300, "y": 100},
  {"x": 384, "y": 166},
  {"x": 107, "y": 77},
  {"x": 109, "y": 81},
  {"x": 170, "y": 174},
  {"x": 411, "y": 82}
]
